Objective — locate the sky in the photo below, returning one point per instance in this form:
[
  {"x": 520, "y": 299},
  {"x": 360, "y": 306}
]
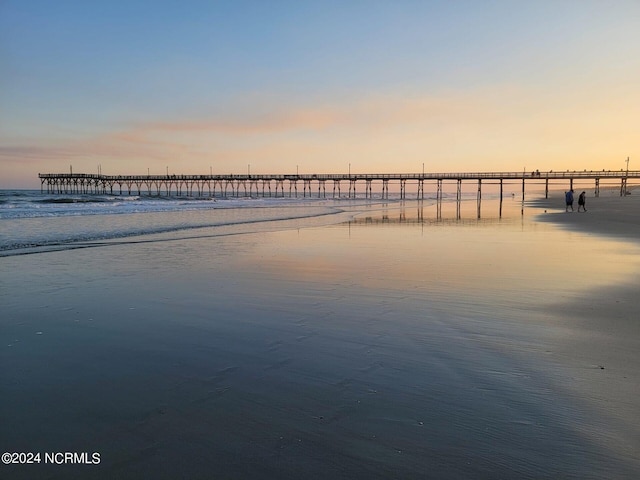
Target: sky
[{"x": 193, "y": 87}]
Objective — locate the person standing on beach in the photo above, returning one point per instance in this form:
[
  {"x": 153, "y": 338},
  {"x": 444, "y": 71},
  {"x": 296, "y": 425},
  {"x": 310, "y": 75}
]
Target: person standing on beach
[
  {"x": 582, "y": 201},
  {"x": 568, "y": 196}
]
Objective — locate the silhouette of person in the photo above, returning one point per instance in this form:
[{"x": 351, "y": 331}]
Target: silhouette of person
[
  {"x": 582, "y": 201},
  {"x": 568, "y": 196}
]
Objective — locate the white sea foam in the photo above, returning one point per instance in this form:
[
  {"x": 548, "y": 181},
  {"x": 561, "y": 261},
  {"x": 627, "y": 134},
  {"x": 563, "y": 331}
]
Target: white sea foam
[{"x": 32, "y": 220}]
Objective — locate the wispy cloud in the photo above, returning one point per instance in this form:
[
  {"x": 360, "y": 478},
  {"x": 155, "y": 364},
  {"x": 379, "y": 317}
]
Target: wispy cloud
[
  {"x": 32, "y": 154},
  {"x": 492, "y": 128},
  {"x": 270, "y": 122}
]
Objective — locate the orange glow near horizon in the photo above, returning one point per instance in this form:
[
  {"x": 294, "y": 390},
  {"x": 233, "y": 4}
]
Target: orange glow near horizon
[{"x": 500, "y": 130}]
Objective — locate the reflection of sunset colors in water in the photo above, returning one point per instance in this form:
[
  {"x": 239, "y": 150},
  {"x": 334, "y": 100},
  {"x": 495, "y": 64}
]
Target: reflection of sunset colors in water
[
  {"x": 380, "y": 339},
  {"x": 511, "y": 260}
]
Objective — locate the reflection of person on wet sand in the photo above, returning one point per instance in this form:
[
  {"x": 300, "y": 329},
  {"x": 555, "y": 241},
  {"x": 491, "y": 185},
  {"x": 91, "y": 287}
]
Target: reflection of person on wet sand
[{"x": 582, "y": 201}]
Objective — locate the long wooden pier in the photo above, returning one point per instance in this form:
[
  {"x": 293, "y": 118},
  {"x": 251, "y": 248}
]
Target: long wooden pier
[
  {"x": 275, "y": 185},
  {"x": 278, "y": 185}
]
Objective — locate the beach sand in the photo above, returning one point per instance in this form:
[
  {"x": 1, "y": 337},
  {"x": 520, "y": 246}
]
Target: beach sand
[
  {"x": 396, "y": 345},
  {"x": 609, "y": 214}
]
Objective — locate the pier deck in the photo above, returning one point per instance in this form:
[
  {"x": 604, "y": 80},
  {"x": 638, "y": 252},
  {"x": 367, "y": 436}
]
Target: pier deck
[{"x": 280, "y": 185}]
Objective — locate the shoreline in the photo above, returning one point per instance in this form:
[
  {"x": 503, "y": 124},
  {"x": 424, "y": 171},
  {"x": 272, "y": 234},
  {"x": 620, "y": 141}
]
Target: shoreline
[
  {"x": 453, "y": 348},
  {"x": 609, "y": 215},
  {"x": 603, "y": 351}
]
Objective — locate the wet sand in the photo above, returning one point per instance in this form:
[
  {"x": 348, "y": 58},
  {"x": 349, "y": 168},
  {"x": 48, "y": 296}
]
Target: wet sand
[
  {"x": 380, "y": 348},
  {"x": 605, "y": 319},
  {"x": 609, "y": 214}
]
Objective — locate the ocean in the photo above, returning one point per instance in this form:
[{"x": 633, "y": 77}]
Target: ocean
[{"x": 31, "y": 221}]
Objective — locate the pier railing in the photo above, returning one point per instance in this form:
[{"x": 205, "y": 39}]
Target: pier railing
[{"x": 586, "y": 174}]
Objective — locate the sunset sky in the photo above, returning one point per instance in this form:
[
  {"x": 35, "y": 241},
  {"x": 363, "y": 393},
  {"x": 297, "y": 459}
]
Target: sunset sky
[{"x": 138, "y": 86}]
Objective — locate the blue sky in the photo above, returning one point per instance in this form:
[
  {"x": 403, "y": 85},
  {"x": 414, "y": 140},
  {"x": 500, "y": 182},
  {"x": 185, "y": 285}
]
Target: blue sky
[{"x": 140, "y": 86}]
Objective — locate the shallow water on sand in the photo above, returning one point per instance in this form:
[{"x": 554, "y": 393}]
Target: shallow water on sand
[{"x": 395, "y": 344}]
